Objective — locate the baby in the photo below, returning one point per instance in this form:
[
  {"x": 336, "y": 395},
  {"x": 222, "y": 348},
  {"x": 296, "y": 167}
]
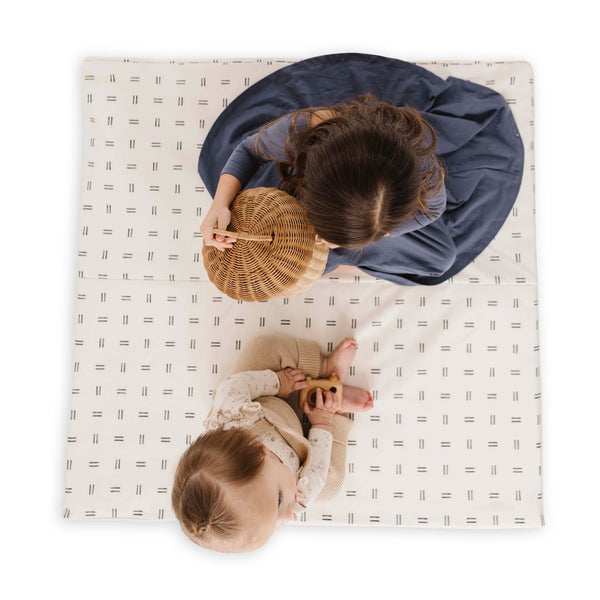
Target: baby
[{"x": 253, "y": 470}]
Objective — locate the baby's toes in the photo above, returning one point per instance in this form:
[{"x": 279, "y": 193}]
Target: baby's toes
[{"x": 348, "y": 343}]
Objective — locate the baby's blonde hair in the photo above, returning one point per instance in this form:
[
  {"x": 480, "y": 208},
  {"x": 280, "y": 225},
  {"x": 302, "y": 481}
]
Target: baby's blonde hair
[{"x": 216, "y": 458}]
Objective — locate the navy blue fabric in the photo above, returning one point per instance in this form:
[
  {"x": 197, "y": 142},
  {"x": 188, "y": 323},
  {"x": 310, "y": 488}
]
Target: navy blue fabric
[{"x": 477, "y": 138}]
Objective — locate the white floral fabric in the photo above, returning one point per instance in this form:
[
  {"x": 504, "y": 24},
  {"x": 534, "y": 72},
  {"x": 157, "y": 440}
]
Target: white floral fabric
[{"x": 234, "y": 406}]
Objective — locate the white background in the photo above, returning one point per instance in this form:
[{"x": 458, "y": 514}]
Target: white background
[{"x": 43, "y": 44}]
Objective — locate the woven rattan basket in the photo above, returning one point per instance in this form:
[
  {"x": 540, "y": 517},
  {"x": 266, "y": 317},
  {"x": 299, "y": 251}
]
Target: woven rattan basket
[{"x": 276, "y": 253}]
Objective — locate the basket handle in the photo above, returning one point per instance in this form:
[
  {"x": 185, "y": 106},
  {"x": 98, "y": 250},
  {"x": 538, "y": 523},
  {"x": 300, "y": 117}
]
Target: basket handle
[{"x": 250, "y": 237}]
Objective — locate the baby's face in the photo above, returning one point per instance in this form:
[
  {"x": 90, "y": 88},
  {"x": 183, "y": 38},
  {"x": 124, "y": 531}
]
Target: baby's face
[{"x": 267, "y": 502}]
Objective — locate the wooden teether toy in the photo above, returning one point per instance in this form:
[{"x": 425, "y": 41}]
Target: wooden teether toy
[{"x": 309, "y": 394}]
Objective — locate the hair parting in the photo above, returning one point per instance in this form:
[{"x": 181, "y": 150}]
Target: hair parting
[{"x": 361, "y": 172}]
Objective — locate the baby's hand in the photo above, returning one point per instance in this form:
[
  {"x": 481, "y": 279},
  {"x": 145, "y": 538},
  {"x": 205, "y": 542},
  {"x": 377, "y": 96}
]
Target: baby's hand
[
  {"x": 322, "y": 413},
  {"x": 290, "y": 380}
]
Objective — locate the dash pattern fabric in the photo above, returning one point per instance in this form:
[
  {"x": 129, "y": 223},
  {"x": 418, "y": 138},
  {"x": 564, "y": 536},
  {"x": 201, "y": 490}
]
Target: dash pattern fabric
[{"x": 454, "y": 440}]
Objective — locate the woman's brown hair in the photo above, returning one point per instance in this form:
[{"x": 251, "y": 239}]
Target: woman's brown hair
[
  {"x": 362, "y": 172},
  {"x": 217, "y": 457}
]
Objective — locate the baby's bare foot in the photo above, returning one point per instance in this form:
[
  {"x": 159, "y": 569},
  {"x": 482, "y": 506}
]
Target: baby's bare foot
[
  {"x": 356, "y": 400},
  {"x": 340, "y": 359}
]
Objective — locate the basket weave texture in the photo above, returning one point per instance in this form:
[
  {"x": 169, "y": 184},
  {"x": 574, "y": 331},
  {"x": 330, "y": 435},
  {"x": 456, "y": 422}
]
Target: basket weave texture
[{"x": 276, "y": 253}]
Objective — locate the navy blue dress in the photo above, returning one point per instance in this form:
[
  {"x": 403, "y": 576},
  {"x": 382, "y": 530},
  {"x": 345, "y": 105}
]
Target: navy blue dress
[{"x": 477, "y": 139}]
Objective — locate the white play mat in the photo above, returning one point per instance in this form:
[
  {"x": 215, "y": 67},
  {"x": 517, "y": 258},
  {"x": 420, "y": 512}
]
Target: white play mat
[{"x": 454, "y": 440}]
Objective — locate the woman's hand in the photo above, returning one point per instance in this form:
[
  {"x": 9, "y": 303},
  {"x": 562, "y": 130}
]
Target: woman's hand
[
  {"x": 290, "y": 380},
  {"x": 321, "y": 414},
  {"x": 218, "y": 217}
]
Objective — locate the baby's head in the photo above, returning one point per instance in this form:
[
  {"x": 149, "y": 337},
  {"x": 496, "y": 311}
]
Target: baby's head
[{"x": 230, "y": 493}]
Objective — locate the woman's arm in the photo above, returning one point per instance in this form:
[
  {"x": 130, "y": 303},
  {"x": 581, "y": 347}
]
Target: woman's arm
[{"x": 247, "y": 157}]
